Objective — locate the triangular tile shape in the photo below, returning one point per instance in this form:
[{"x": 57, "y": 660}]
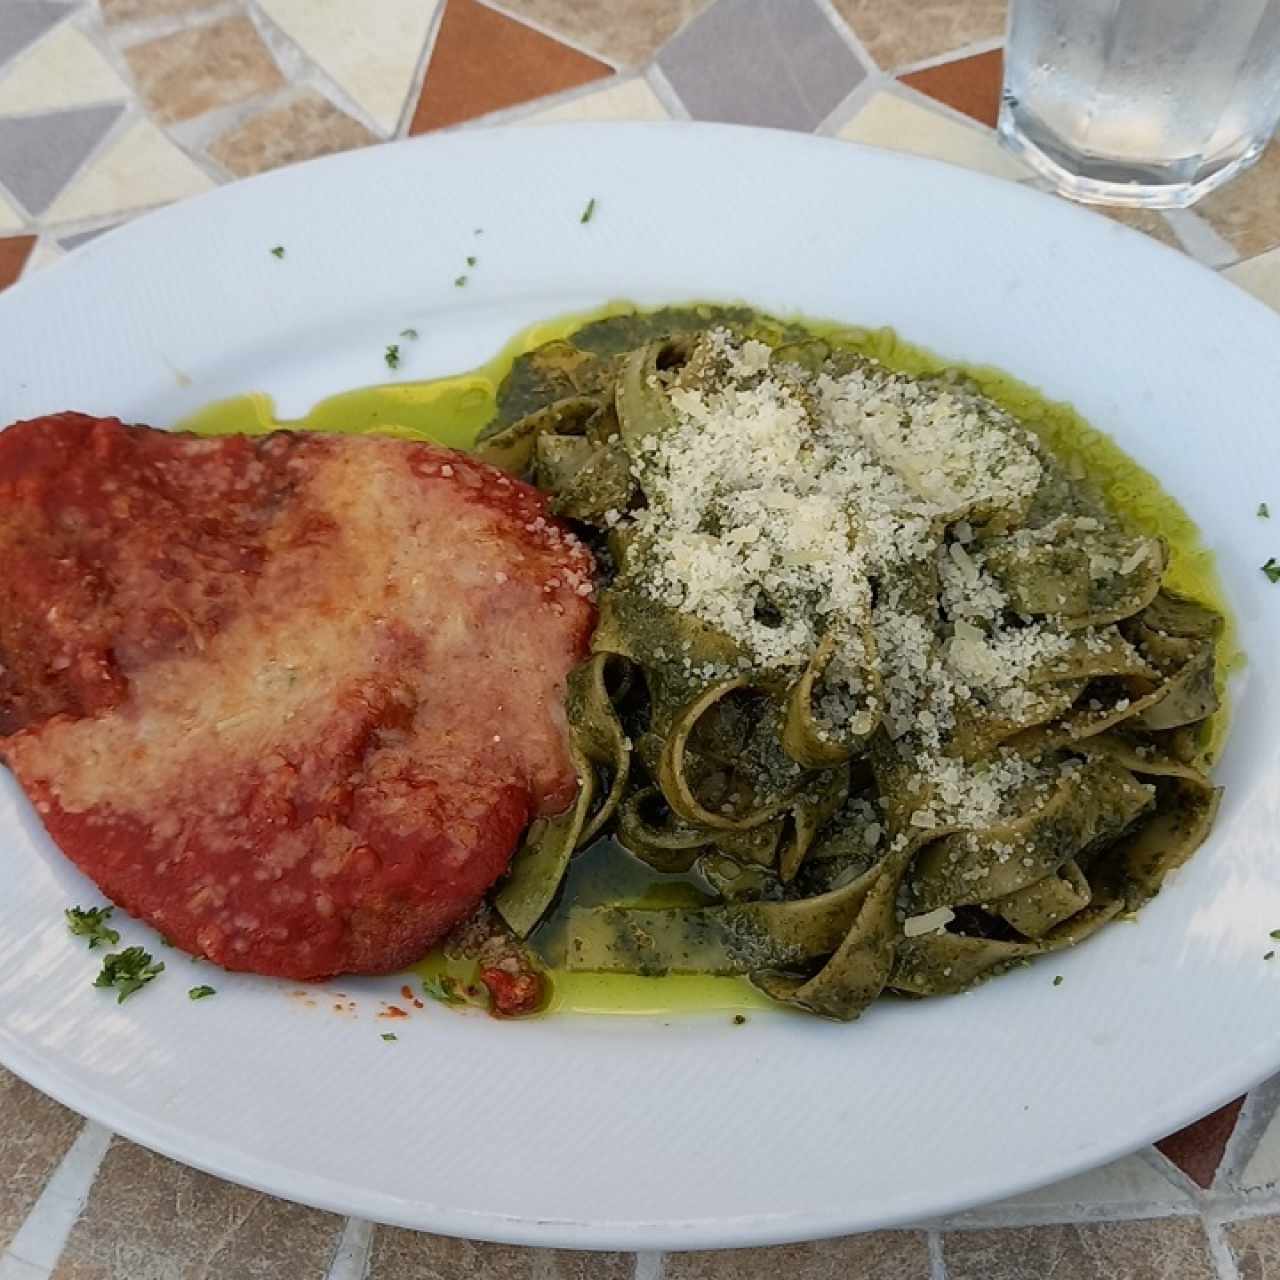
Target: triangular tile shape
[
  {"x": 45, "y": 254},
  {"x": 483, "y": 61},
  {"x": 1197, "y": 1149},
  {"x": 63, "y": 70},
  {"x": 373, "y": 59},
  {"x": 970, "y": 85},
  {"x": 627, "y": 100},
  {"x": 83, "y": 237},
  {"x": 142, "y": 168},
  {"x": 13, "y": 257},
  {"x": 39, "y": 154},
  {"x": 23, "y": 22}
]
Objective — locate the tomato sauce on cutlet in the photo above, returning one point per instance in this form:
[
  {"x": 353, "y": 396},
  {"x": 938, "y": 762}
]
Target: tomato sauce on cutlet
[{"x": 293, "y": 699}]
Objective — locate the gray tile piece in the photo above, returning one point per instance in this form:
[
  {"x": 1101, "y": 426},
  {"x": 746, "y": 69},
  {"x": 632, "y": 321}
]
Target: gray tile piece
[
  {"x": 83, "y": 237},
  {"x": 764, "y": 62},
  {"x": 40, "y": 154},
  {"x": 23, "y": 22}
]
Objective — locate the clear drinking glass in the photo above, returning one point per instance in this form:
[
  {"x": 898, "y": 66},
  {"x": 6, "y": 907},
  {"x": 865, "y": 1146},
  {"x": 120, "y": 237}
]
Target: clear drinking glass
[{"x": 1141, "y": 102}]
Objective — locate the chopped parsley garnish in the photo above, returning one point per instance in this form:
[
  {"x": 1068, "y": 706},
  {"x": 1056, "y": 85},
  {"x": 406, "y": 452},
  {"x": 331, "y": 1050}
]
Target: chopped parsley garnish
[
  {"x": 589, "y": 212},
  {"x": 739, "y": 1019},
  {"x": 127, "y": 971},
  {"x": 1269, "y": 955},
  {"x": 408, "y": 333},
  {"x": 1264, "y": 512},
  {"x": 92, "y": 924},
  {"x": 1057, "y": 982},
  {"x": 471, "y": 262},
  {"x": 1275, "y": 933},
  {"x": 1271, "y": 569},
  {"x": 200, "y": 993},
  {"x": 278, "y": 251},
  {"x": 390, "y": 1035},
  {"x": 459, "y": 282},
  {"x": 392, "y": 356},
  {"x": 444, "y": 988}
]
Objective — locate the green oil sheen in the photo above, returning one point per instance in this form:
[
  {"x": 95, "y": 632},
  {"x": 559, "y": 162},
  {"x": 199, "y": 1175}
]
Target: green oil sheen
[{"x": 452, "y": 411}]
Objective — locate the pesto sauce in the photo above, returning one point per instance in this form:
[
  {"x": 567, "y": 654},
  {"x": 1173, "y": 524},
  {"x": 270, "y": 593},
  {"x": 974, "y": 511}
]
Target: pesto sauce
[{"x": 453, "y": 410}]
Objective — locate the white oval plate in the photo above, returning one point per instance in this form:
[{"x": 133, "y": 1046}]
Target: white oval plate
[{"x": 640, "y": 1133}]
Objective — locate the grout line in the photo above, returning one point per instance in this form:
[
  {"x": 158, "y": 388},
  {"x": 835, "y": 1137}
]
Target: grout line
[
  {"x": 351, "y": 1260},
  {"x": 1200, "y": 239},
  {"x": 937, "y": 1261},
  {"x": 846, "y": 110},
  {"x": 1224, "y": 1262},
  {"x": 970, "y": 50},
  {"x": 43, "y": 1235},
  {"x": 665, "y": 93},
  {"x": 1250, "y": 1128},
  {"x": 419, "y": 78},
  {"x": 649, "y": 1265},
  {"x": 124, "y": 35},
  {"x": 542, "y": 29},
  {"x": 848, "y": 36}
]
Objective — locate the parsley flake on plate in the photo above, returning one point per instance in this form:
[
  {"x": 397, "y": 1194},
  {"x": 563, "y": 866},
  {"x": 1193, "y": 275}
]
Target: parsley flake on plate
[
  {"x": 127, "y": 971},
  {"x": 278, "y": 251},
  {"x": 1271, "y": 569},
  {"x": 1057, "y": 982},
  {"x": 92, "y": 924},
  {"x": 459, "y": 282},
  {"x": 1264, "y": 512},
  {"x": 589, "y": 212},
  {"x": 471, "y": 262},
  {"x": 443, "y": 988},
  {"x": 392, "y": 356},
  {"x": 390, "y": 1035},
  {"x": 201, "y": 993},
  {"x": 408, "y": 333}
]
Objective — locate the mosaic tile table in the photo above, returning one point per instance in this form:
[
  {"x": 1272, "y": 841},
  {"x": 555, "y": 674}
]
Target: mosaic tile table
[{"x": 111, "y": 108}]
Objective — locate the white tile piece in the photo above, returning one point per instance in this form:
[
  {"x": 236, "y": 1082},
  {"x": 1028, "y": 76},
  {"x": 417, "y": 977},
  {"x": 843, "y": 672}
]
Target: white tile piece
[
  {"x": 45, "y": 254},
  {"x": 63, "y": 70},
  {"x": 1126, "y": 1187},
  {"x": 141, "y": 168},
  {"x": 10, "y": 218},
  {"x": 1260, "y": 276},
  {"x": 370, "y": 48},
  {"x": 887, "y": 120},
  {"x": 632, "y": 100}
]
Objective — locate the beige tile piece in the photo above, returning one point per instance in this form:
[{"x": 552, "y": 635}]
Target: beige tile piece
[
  {"x": 45, "y": 254},
  {"x": 632, "y": 100},
  {"x": 1255, "y": 1246},
  {"x": 879, "y": 1255},
  {"x": 626, "y": 34},
  {"x": 35, "y": 1133},
  {"x": 62, "y": 70},
  {"x": 1247, "y": 210},
  {"x": 307, "y": 127},
  {"x": 140, "y": 169},
  {"x": 118, "y": 11},
  {"x": 10, "y": 218},
  {"x": 898, "y": 34},
  {"x": 148, "y": 1218},
  {"x": 1147, "y": 1249},
  {"x": 887, "y": 120},
  {"x": 1261, "y": 277},
  {"x": 1130, "y": 1183},
  {"x": 410, "y": 1255},
  {"x": 183, "y": 75},
  {"x": 1149, "y": 221},
  {"x": 371, "y": 48}
]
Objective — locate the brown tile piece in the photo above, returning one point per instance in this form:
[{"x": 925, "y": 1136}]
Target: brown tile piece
[
  {"x": 484, "y": 61},
  {"x": 1255, "y": 1245},
  {"x": 14, "y": 252},
  {"x": 147, "y": 1217},
  {"x": 309, "y": 126},
  {"x": 879, "y": 1255},
  {"x": 1197, "y": 1149},
  {"x": 194, "y": 71},
  {"x": 35, "y": 1131},
  {"x": 1148, "y": 221},
  {"x": 897, "y": 34},
  {"x": 118, "y": 11},
  {"x": 626, "y": 34},
  {"x": 1247, "y": 210},
  {"x": 1150, "y": 1249},
  {"x": 970, "y": 85},
  {"x": 409, "y": 1255}
]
